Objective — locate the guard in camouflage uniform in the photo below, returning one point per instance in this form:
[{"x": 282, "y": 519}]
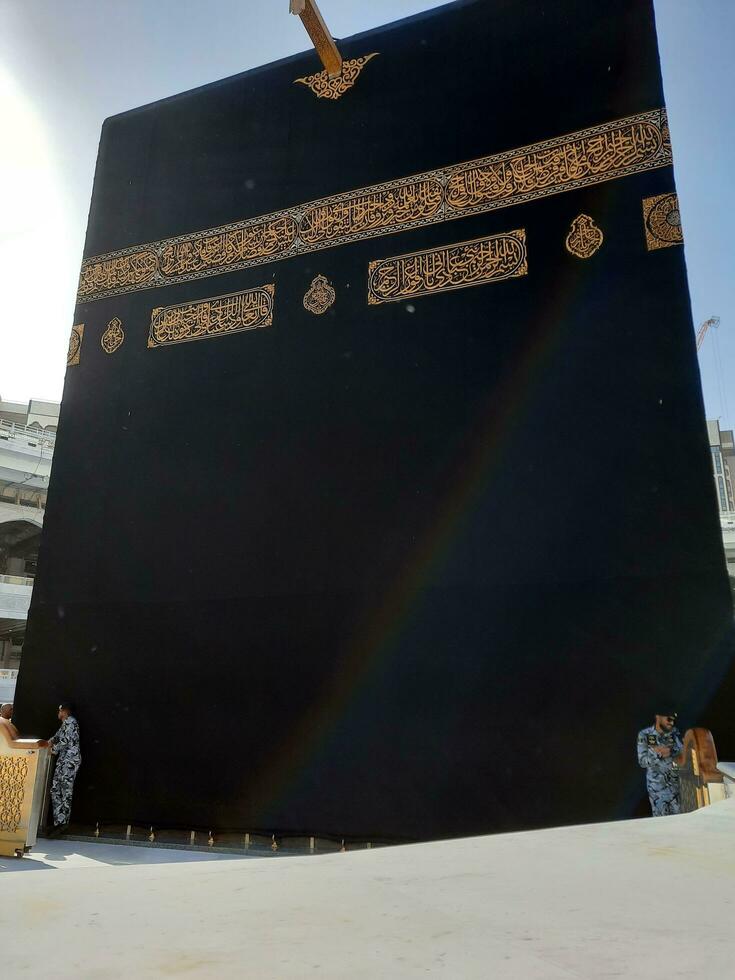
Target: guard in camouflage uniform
[
  {"x": 65, "y": 746},
  {"x": 658, "y": 746}
]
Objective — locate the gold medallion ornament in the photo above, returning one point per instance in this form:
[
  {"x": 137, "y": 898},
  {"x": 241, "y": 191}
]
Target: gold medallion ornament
[
  {"x": 662, "y": 221},
  {"x": 326, "y": 86},
  {"x": 437, "y": 270},
  {"x": 319, "y": 296},
  {"x": 113, "y": 337},
  {"x": 213, "y": 317},
  {"x": 75, "y": 344},
  {"x": 584, "y": 237}
]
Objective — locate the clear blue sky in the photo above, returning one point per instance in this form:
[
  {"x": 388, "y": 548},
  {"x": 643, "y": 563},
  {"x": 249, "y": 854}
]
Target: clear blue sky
[{"x": 67, "y": 64}]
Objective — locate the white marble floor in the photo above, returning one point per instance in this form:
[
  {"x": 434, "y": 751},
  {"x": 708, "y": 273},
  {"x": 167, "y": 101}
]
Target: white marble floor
[{"x": 639, "y": 899}]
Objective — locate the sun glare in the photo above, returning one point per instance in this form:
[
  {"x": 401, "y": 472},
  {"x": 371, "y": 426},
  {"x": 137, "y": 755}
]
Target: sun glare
[{"x": 38, "y": 267}]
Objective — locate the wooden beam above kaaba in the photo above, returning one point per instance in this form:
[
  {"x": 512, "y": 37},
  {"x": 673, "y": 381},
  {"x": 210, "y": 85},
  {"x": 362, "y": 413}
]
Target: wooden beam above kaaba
[{"x": 317, "y": 30}]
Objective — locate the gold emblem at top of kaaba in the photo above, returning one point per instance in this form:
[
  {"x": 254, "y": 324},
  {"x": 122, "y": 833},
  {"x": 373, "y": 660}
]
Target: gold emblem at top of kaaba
[
  {"x": 584, "y": 237},
  {"x": 319, "y": 296},
  {"x": 113, "y": 337},
  {"x": 75, "y": 344},
  {"x": 326, "y": 86},
  {"x": 662, "y": 221}
]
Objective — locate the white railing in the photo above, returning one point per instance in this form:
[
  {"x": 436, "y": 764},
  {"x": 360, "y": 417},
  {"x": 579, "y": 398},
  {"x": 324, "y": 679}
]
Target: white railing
[
  {"x": 15, "y": 580},
  {"x": 40, "y": 437}
]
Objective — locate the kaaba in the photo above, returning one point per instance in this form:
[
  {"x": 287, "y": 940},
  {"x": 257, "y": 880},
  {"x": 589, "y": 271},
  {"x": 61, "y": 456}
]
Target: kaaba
[{"x": 382, "y": 504}]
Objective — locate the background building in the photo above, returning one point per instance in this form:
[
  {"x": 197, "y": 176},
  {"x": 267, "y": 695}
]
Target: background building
[
  {"x": 723, "y": 464},
  {"x": 722, "y": 447},
  {"x": 27, "y": 437}
]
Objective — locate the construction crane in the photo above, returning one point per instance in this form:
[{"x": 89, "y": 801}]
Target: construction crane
[{"x": 714, "y": 321}]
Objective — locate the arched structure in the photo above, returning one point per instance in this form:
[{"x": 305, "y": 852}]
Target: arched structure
[{"x": 20, "y": 535}]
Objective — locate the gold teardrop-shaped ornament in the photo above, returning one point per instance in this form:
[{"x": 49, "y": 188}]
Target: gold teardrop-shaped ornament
[
  {"x": 319, "y": 296},
  {"x": 584, "y": 237},
  {"x": 113, "y": 337}
]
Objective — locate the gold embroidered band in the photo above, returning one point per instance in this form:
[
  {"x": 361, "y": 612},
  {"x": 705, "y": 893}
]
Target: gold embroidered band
[
  {"x": 437, "y": 270},
  {"x": 591, "y": 156},
  {"x": 212, "y": 317}
]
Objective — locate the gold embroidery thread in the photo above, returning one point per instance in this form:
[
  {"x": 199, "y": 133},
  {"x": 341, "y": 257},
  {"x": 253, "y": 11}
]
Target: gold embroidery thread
[
  {"x": 195, "y": 256},
  {"x": 119, "y": 273},
  {"x": 75, "y": 344},
  {"x": 592, "y": 156},
  {"x": 438, "y": 270},
  {"x": 326, "y": 86},
  {"x": 319, "y": 296},
  {"x": 662, "y": 221},
  {"x": 113, "y": 336},
  {"x": 584, "y": 237},
  {"x": 212, "y": 317},
  {"x": 412, "y": 204}
]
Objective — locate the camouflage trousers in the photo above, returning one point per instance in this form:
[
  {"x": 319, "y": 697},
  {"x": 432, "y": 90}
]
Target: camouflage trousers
[
  {"x": 663, "y": 793},
  {"x": 62, "y": 788}
]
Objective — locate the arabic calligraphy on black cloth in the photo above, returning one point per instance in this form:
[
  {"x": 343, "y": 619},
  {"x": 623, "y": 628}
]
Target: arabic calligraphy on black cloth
[{"x": 591, "y": 156}]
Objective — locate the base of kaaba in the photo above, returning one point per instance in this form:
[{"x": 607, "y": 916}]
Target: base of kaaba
[
  {"x": 587, "y": 901},
  {"x": 239, "y": 844}
]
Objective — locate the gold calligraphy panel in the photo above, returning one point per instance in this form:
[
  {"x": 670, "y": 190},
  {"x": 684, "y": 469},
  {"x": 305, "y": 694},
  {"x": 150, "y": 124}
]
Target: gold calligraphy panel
[
  {"x": 662, "y": 221},
  {"x": 437, "y": 270},
  {"x": 213, "y": 317},
  {"x": 591, "y": 156}
]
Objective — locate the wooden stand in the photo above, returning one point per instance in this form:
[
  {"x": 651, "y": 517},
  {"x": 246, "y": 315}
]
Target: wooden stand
[
  {"x": 24, "y": 765},
  {"x": 700, "y": 781}
]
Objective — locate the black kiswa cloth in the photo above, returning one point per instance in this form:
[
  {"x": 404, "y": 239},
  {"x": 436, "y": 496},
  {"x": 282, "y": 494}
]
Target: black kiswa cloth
[{"x": 393, "y": 570}]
